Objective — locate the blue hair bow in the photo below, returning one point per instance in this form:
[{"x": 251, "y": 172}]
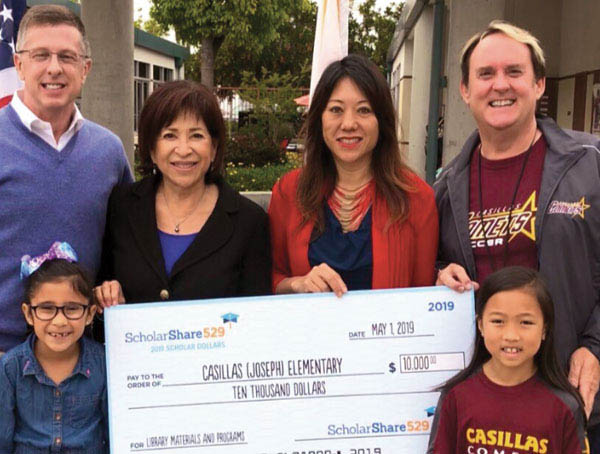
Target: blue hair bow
[{"x": 58, "y": 250}]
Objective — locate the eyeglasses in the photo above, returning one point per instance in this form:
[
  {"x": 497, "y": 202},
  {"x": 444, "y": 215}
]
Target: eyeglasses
[
  {"x": 64, "y": 57},
  {"x": 71, "y": 311}
]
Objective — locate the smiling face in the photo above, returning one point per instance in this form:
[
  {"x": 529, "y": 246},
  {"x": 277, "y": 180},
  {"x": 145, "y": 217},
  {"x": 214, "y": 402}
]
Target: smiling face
[
  {"x": 502, "y": 91},
  {"x": 51, "y": 86},
  {"x": 350, "y": 127},
  {"x": 184, "y": 151},
  {"x": 512, "y": 326},
  {"x": 59, "y": 335}
]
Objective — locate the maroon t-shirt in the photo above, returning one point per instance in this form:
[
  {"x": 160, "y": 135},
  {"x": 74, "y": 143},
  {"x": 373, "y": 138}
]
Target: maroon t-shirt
[
  {"x": 479, "y": 416},
  {"x": 498, "y": 180}
]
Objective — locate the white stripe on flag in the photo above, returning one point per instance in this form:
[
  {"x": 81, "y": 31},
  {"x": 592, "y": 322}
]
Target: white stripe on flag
[
  {"x": 9, "y": 82},
  {"x": 331, "y": 37}
]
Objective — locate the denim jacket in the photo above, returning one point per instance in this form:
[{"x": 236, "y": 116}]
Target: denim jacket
[{"x": 37, "y": 416}]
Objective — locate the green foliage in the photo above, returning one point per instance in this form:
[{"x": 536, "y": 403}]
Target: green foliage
[
  {"x": 249, "y": 21},
  {"x": 291, "y": 49},
  {"x": 373, "y": 35},
  {"x": 290, "y": 53},
  {"x": 251, "y": 24},
  {"x": 150, "y": 26},
  {"x": 252, "y": 178},
  {"x": 154, "y": 28},
  {"x": 139, "y": 22},
  {"x": 251, "y": 146},
  {"x": 274, "y": 117},
  {"x": 273, "y": 99}
]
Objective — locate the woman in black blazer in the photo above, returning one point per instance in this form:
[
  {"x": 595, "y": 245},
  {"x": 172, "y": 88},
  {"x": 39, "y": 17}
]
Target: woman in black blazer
[{"x": 182, "y": 232}]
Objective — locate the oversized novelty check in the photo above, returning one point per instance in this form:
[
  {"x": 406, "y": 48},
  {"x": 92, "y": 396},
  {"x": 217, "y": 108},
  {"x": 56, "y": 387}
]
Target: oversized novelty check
[{"x": 300, "y": 374}]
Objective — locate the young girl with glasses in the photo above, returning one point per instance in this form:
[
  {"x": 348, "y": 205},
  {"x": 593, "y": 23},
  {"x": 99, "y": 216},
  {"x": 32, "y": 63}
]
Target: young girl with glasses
[
  {"x": 53, "y": 386},
  {"x": 512, "y": 397}
]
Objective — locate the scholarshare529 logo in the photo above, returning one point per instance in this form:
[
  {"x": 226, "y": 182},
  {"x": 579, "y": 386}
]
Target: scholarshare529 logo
[
  {"x": 378, "y": 428},
  {"x": 176, "y": 334}
]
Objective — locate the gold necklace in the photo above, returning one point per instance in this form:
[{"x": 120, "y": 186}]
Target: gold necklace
[{"x": 185, "y": 218}]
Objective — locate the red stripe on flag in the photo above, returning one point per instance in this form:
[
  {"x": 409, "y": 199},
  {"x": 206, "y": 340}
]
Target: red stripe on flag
[{"x": 4, "y": 101}]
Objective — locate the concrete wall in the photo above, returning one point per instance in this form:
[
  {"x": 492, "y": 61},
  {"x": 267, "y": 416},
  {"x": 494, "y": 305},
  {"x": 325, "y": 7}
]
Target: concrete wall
[
  {"x": 403, "y": 66},
  {"x": 580, "y": 40},
  {"x": 419, "y": 99},
  {"x": 261, "y": 198},
  {"x": 109, "y": 26},
  {"x": 579, "y": 52},
  {"x": 404, "y": 120},
  {"x": 465, "y": 18},
  {"x": 588, "y": 103},
  {"x": 542, "y": 19},
  {"x": 564, "y": 110}
]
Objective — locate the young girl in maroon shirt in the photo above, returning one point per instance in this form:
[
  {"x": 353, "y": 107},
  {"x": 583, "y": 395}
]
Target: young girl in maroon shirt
[{"x": 513, "y": 397}]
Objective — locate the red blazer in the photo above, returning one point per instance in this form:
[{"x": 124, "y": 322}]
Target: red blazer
[{"x": 403, "y": 255}]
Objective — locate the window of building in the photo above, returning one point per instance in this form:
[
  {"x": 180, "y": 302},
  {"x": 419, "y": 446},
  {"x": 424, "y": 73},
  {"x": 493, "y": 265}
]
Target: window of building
[
  {"x": 141, "y": 70},
  {"x": 141, "y": 89},
  {"x": 161, "y": 75},
  {"x": 396, "y": 88}
]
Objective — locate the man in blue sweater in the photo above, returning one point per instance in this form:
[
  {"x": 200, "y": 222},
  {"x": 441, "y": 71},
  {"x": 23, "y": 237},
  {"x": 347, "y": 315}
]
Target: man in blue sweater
[{"x": 56, "y": 168}]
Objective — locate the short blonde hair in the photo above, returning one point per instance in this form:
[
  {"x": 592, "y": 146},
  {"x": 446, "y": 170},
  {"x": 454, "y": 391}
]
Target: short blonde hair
[{"x": 512, "y": 31}]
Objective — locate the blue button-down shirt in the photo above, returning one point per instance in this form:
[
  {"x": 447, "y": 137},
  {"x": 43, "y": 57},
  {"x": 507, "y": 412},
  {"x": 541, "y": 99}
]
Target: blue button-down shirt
[{"x": 37, "y": 416}]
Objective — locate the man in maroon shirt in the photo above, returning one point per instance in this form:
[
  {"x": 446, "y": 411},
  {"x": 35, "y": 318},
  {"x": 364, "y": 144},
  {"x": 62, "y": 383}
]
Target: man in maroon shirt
[{"x": 525, "y": 192}]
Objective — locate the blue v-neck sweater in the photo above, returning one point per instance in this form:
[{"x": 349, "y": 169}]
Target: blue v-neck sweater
[{"x": 47, "y": 196}]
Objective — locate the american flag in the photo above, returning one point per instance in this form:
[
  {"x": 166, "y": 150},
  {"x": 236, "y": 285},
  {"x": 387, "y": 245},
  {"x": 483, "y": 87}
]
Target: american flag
[{"x": 11, "y": 12}]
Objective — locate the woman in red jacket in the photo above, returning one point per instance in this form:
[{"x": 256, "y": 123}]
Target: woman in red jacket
[{"x": 355, "y": 216}]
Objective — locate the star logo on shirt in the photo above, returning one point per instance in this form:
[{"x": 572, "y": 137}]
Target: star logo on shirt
[
  {"x": 527, "y": 213},
  {"x": 582, "y": 207},
  {"x": 572, "y": 209},
  {"x": 495, "y": 226}
]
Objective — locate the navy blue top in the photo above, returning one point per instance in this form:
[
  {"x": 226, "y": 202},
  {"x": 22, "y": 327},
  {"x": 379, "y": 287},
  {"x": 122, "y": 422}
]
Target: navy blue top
[
  {"x": 173, "y": 247},
  {"x": 349, "y": 254},
  {"x": 38, "y": 416}
]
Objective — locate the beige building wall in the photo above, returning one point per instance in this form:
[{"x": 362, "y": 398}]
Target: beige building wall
[
  {"x": 579, "y": 53},
  {"x": 154, "y": 58},
  {"x": 542, "y": 18},
  {"x": 466, "y": 17},
  {"x": 588, "y": 103},
  {"x": 564, "y": 110},
  {"x": 404, "y": 120},
  {"x": 403, "y": 69},
  {"x": 580, "y": 40},
  {"x": 419, "y": 100}
]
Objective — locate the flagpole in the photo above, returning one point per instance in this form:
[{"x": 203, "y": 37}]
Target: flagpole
[{"x": 331, "y": 37}]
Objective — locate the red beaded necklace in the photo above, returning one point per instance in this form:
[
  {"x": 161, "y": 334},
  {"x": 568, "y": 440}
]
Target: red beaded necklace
[{"x": 351, "y": 205}]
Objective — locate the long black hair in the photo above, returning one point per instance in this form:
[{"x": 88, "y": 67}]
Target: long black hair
[
  {"x": 319, "y": 174},
  {"x": 528, "y": 280}
]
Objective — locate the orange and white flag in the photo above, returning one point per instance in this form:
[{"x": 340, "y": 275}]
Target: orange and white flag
[{"x": 331, "y": 37}]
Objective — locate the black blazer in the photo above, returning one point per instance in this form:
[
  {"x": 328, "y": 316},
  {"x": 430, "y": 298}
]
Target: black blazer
[{"x": 230, "y": 256}]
